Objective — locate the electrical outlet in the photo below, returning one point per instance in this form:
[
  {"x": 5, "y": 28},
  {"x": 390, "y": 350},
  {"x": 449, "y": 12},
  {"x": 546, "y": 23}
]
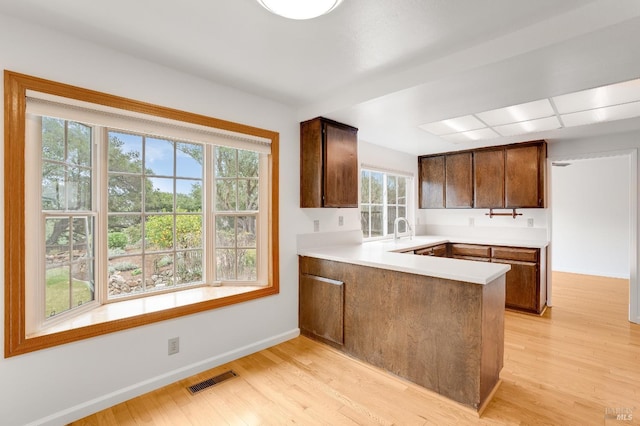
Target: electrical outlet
[
  {"x": 530, "y": 222},
  {"x": 174, "y": 345},
  {"x": 316, "y": 225},
  {"x": 340, "y": 220},
  {"x": 472, "y": 222}
]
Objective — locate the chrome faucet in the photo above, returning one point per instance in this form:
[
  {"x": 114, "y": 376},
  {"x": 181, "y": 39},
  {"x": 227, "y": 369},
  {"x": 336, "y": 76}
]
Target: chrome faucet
[{"x": 395, "y": 227}]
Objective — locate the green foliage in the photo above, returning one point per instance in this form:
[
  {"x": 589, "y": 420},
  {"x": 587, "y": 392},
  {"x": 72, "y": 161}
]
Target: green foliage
[
  {"x": 57, "y": 292},
  {"x": 117, "y": 240},
  {"x": 159, "y": 231},
  {"x": 125, "y": 266}
]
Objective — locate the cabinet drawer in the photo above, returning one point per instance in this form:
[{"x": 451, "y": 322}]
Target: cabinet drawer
[
  {"x": 438, "y": 251},
  {"x": 470, "y": 250},
  {"x": 511, "y": 253},
  {"x": 477, "y": 259}
]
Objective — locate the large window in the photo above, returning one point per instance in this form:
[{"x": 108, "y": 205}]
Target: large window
[
  {"x": 115, "y": 200},
  {"x": 384, "y": 196}
]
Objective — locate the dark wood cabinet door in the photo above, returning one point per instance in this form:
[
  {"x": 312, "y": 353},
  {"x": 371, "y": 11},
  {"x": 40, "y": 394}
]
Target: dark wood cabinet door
[
  {"x": 524, "y": 170},
  {"x": 488, "y": 179},
  {"x": 328, "y": 164},
  {"x": 311, "y": 158},
  {"x": 340, "y": 167},
  {"x": 522, "y": 286},
  {"x": 432, "y": 180},
  {"x": 321, "y": 309},
  {"x": 459, "y": 180}
]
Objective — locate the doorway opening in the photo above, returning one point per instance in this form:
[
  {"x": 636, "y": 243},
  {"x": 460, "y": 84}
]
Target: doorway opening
[{"x": 593, "y": 223}]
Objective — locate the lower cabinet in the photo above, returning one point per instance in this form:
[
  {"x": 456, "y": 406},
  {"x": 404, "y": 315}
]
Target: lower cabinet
[
  {"x": 321, "y": 308},
  {"x": 444, "y": 335},
  {"x": 525, "y": 284},
  {"x": 522, "y": 289}
]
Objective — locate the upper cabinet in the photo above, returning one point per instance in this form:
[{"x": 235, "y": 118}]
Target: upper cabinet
[
  {"x": 432, "y": 177},
  {"x": 446, "y": 181},
  {"x": 511, "y": 176},
  {"x": 328, "y": 164},
  {"x": 459, "y": 180},
  {"x": 524, "y": 175},
  {"x": 488, "y": 178}
]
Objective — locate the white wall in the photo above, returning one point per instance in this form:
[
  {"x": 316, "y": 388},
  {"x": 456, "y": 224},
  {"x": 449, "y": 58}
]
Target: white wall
[
  {"x": 590, "y": 217},
  {"x": 57, "y": 385}
]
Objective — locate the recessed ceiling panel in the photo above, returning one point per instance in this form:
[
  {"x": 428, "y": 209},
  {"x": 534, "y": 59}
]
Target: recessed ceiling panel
[
  {"x": 539, "y": 125},
  {"x": 516, "y": 113},
  {"x": 614, "y": 94},
  {"x": 453, "y": 125},
  {"x": 599, "y": 115}
]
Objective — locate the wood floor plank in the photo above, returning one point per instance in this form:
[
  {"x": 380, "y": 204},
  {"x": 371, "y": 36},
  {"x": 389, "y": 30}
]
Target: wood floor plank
[{"x": 567, "y": 367}]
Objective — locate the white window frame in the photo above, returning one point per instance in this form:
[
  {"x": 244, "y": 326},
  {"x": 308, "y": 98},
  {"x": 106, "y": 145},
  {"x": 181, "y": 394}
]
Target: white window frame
[
  {"x": 408, "y": 192},
  {"x": 36, "y": 320}
]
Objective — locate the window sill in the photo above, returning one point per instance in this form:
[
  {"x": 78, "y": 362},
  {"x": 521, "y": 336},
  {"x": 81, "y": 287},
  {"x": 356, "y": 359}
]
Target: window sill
[{"x": 145, "y": 305}]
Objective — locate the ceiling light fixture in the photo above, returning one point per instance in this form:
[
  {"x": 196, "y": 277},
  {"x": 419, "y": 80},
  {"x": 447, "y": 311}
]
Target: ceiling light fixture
[{"x": 300, "y": 9}]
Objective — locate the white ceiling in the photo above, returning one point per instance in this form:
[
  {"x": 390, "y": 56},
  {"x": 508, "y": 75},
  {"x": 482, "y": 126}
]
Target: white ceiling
[{"x": 385, "y": 67}]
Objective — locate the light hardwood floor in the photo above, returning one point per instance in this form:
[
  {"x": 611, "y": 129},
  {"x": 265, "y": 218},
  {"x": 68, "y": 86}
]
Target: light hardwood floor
[{"x": 568, "y": 367}]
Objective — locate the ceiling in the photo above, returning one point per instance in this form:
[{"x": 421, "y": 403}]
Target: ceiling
[{"x": 384, "y": 67}]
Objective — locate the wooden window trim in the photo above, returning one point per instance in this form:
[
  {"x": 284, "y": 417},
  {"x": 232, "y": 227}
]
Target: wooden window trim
[{"x": 15, "y": 88}]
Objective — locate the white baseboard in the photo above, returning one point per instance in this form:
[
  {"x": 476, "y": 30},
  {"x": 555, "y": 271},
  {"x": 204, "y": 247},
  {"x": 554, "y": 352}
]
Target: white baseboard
[{"x": 92, "y": 406}]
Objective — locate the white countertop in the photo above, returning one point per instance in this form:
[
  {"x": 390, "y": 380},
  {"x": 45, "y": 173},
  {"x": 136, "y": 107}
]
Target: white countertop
[{"x": 385, "y": 254}]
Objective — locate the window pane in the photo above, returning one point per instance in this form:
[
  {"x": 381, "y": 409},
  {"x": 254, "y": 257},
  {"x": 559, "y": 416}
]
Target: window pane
[
  {"x": 78, "y": 189},
  {"x": 376, "y": 221},
  {"x": 57, "y": 237},
  {"x": 225, "y": 231},
  {"x": 188, "y": 195},
  {"x": 376, "y": 188},
  {"x": 124, "y": 235},
  {"x": 188, "y": 231},
  {"x": 225, "y": 264},
  {"x": 226, "y": 164},
  {"x": 402, "y": 212},
  {"x": 125, "y": 193},
  {"x": 226, "y": 195},
  {"x": 247, "y": 264},
  {"x": 158, "y": 271},
  {"x": 402, "y": 190},
  {"x": 248, "y": 194},
  {"x": 246, "y": 231},
  {"x": 57, "y": 291},
  {"x": 364, "y": 220},
  {"x": 69, "y": 277},
  {"x": 158, "y": 157},
  {"x": 189, "y": 158},
  {"x": 79, "y": 145},
  {"x": 391, "y": 217},
  {"x": 364, "y": 186},
  {"x": 125, "y": 152},
  {"x": 83, "y": 282},
  {"x": 53, "y": 186},
  {"x": 82, "y": 244},
  {"x": 391, "y": 189},
  {"x": 125, "y": 275},
  {"x": 158, "y": 196},
  {"x": 158, "y": 232},
  {"x": 53, "y": 139},
  {"x": 189, "y": 267},
  {"x": 248, "y": 162}
]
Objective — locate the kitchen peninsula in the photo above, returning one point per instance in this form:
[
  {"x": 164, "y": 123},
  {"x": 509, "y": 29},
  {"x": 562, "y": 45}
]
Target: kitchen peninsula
[{"x": 438, "y": 322}]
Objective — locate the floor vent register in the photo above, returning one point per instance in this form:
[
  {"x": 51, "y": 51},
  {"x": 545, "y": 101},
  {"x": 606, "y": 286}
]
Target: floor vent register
[{"x": 205, "y": 384}]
